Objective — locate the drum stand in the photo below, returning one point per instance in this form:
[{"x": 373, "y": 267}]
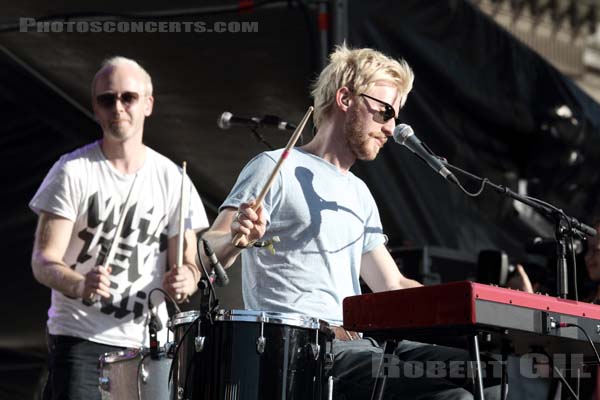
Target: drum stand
[{"x": 382, "y": 373}]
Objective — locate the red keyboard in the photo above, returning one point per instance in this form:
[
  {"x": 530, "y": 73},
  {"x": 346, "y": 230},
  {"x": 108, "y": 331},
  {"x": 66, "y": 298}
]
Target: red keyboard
[{"x": 441, "y": 313}]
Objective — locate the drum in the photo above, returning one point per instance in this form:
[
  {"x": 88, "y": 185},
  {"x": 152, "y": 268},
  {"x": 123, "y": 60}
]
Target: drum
[
  {"x": 132, "y": 374},
  {"x": 252, "y": 355},
  {"x": 186, "y": 341}
]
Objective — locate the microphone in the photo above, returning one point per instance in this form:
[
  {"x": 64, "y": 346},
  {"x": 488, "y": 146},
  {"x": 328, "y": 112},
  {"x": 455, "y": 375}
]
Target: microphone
[
  {"x": 155, "y": 318},
  {"x": 405, "y": 135},
  {"x": 227, "y": 120},
  {"x": 222, "y": 278}
]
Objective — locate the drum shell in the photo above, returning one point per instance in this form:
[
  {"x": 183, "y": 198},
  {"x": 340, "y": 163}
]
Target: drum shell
[
  {"x": 231, "y": 366},
  {"x": 185, "y": 330},
  {"x": 133, "y": 374}
]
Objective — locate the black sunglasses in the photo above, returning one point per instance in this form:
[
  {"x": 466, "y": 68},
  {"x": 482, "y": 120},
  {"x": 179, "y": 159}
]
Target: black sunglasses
[
  {"x": 388, "y": 113},
  {"x": 108, "y": 100}
]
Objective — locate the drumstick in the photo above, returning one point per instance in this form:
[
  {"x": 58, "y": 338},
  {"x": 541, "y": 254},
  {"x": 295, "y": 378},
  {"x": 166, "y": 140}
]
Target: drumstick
[
  {"x": 111, "y": 247},
  {"x": 180, "y": 238},
  {"x": 238, "y": 237}
]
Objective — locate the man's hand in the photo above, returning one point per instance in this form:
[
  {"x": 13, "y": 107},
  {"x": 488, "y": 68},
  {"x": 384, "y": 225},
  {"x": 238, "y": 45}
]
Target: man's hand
[
  {"x": 520, "y": 280},
  {"x": 180, "y": 282},
  {"x": 251, "y": 224},
  {"x": 95, "y": 282}
]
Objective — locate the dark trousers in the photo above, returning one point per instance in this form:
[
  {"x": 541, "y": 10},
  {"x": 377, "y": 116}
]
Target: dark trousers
[
  {"x": 415, "y": 371},
  {"x": 73, "y": 368}
]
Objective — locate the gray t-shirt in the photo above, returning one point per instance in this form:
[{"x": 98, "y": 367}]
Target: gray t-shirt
[{"x": 326, "y": 221}]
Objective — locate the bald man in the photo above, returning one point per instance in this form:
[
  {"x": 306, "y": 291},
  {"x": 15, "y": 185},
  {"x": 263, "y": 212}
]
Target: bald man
[{"x": 100, "y": 305}]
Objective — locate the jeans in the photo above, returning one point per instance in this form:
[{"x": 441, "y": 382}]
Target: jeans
[
  {"x": 416, "y": 371},
  {"x": 73, "y": 368}
]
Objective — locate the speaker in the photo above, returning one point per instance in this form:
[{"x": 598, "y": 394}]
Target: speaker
[{"x": 432, "y": 265}]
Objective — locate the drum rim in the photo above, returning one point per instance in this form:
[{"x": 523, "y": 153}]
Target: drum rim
[
  {"x": 184, "y": 317},
  {"x": 129, "y": 353},
  {"x": 120, "y": 355},
  {"x": 272, "y": 317}
]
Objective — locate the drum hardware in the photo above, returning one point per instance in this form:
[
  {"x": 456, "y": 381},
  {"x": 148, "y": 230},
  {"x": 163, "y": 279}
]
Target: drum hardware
[
  {"x": 261, "y": 342},
  {"x": 314, "y": 350},
  {"x": 330, "y": 388},
  {"x": 199, "y": 339},
  {"x": 104, "y": 383},
  {"x": 199, "y": 343},
  {"x": 317, "y": 348},
  {"x": 328, "y": 361},
  {"x": 170, "y": 348},
  {"x": 144, "y": 373}
]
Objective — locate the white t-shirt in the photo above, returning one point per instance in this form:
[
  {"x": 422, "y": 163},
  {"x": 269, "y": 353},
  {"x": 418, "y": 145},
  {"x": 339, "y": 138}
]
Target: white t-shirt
[
  {"x": 85, "y": 188},
  {"x": 326, "y": 220}
]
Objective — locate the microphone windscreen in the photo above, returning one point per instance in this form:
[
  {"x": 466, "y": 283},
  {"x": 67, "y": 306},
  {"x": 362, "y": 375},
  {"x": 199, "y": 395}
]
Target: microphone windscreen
[
  {"x": 402, "y": 132},
  {"x": 224, "y": 121}
]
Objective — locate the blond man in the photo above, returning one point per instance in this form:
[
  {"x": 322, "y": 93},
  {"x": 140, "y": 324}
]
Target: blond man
[{"x": 328, "y": 222}]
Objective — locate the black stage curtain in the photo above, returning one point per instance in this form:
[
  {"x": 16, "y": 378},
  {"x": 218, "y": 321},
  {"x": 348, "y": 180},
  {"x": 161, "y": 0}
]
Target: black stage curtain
[{"x": 484, "y": 101}]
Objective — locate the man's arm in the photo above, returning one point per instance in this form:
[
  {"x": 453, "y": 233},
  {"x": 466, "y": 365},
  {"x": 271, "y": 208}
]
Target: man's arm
[
  {"x": 52, "y": 237},
  {"x": 380, "y": 272},
  {"x": 251, "y": 224}
]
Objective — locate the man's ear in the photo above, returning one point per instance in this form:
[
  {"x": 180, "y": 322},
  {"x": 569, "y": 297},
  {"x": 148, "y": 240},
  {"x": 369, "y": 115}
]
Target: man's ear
[
  {"x": 148, "y": 106},
  {"x": 343, "y": 98}
]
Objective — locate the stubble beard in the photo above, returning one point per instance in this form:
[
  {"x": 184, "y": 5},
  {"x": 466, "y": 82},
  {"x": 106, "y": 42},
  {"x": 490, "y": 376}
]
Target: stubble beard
[{"x": 357, "y": 139}]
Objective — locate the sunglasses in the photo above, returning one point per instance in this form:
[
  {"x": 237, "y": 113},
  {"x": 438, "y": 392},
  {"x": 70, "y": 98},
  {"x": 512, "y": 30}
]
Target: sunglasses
[
  {"x": 108, "y": 100},
  {"x": 388, "y": 113}
]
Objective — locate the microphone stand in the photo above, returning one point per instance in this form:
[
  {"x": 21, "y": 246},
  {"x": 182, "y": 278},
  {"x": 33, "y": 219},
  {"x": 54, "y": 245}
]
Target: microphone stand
[
  {"x": 208, "y": 297},
  {"x": 566, "y": 227},
  {"x": 205, "y": 296}
]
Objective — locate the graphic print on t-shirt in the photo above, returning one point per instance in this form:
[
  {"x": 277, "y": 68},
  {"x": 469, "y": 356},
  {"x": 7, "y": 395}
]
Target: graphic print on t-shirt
[{"x": 142, "y": 237}]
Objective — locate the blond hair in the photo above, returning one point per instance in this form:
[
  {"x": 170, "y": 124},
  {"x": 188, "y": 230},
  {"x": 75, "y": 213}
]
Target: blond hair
[
  {"x": 358, "y": 70},
  {"x": 119, "y": 60}
]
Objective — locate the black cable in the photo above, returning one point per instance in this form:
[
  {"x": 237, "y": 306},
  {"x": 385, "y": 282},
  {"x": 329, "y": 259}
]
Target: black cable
[
  {"x": 261, "y": 138},
  {"x": 551, "y": 209},
  {"x": 166, "y": 295},
  {"x": 211, "y": 295},
  {"x": 212, "y": 292},
  {"x": 566, "y": 218},
  {"x": 151, "y": 304},
  {"x": 535, "y": 200},
  {"x": 474, "y": 194},
  {"x": 140, "y": 364},
  {"x": 484, "y": 181},
  {"x": 573, "y": 260},
  {"x": 570, "y": 324},
  {"x": 571, "y": 232},
  {"x": 176, "y": 353},
  {"x": 152, "y": 326}
]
